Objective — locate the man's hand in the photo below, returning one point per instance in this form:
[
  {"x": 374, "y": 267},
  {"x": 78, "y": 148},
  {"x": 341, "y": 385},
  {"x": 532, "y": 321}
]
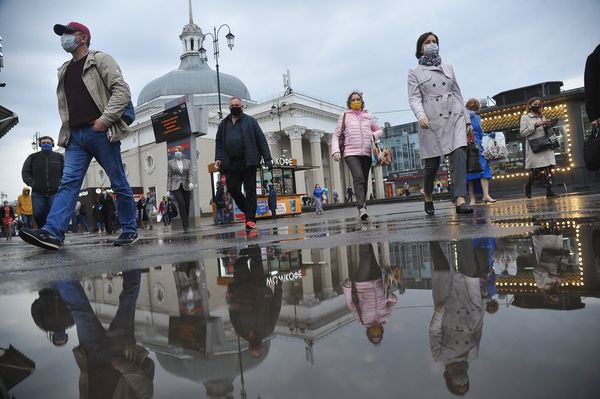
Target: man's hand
[
  {"x": 440, "y": 308},
  {"x": 596, "y": 123},
  {"x": 424, "y": 122},
  {"x": 99, "y": 126},
  {"x": 336, "y": 157},
  {"x": 217, "y": 164}
]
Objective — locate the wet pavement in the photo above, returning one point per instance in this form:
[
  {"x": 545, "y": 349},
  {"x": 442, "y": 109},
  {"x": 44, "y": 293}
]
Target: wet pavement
[{"x": 501, "y": 303}]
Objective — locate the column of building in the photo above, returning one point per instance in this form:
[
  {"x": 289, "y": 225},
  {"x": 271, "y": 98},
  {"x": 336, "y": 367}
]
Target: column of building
[
  {"x": 317, "y": 158},
  {"x": 273, "y": 142},
  {"x": 295, "y": 134}
]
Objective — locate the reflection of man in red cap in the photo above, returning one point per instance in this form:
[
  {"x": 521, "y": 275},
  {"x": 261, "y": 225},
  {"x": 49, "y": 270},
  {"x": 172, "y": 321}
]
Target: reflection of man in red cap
[{"x": 92, "y": 97}]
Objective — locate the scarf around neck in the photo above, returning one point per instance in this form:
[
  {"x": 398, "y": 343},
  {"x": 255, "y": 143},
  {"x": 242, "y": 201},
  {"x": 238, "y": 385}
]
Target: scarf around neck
[{"x": 430, "y": 61}]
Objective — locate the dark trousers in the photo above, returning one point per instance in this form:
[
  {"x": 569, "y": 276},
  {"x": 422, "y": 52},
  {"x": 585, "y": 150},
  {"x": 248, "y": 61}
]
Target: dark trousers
[
  {"x": 183, "y": 204},
  {"x": 368, "y": 268},
  {"x": 359, "y": 166},
  {"x": 247, "y": 202},
  {"x": 458, "y": 172}
]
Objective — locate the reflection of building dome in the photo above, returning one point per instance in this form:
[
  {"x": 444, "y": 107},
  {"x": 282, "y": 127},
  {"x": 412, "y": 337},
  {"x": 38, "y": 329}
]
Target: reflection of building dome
[{"x": 192, "y": 77}]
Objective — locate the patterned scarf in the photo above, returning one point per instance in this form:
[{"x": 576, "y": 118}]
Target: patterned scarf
[{"x": 430, "y": 61}]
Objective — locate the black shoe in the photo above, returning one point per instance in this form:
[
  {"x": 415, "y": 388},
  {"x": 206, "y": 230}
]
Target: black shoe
[
  {"x": 126, "y": 239},
  {"x": 527, "y": 189},
  {"x": 464, "y": 209},
  {"x": 40, "y": 238},
  {"x": 429, "y": 209}
]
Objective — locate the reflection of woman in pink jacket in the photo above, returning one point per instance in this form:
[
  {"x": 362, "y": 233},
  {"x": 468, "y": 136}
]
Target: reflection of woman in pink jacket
[
  {"x": 366, "y": 297},
  {"x": 360, "y": 129}
]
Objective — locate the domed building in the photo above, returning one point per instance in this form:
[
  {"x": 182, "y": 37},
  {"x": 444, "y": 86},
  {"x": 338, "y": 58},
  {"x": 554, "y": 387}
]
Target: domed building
[{"x": 296, "y": 126}]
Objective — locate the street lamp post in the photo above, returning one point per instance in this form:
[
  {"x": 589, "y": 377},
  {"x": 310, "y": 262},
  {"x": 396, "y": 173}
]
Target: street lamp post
[
  {"x": 35, "y": 142},
  {"x": 204, "y": 58},
  {"x": 277, "y": 109}
]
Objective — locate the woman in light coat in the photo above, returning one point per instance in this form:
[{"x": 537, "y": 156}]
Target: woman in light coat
[
  {"x": 541, "y": 163},
  {"x": 180, "y": 185},
  {"x": 435, "y": 98},
  {"x": 360, "y": 130}
]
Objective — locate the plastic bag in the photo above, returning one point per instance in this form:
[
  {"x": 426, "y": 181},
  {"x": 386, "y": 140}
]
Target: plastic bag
[{"x": 494, "y": 149}]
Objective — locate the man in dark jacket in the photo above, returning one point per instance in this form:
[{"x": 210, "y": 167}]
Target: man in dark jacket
[
  {"x": 253, "y": 307},
  {"x": 42, "y": 171},
  {"x": 592, "y": 87},
  {"x": 240, "y": 145}
]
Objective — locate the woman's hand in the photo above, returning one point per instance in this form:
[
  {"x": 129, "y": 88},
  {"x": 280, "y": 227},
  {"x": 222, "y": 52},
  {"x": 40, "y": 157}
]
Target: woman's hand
[
  {"x": 424, "y": 122},
  {"x": 336, "y": 157}
]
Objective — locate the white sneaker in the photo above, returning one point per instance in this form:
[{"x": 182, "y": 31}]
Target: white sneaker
[{"x": 362, "y": 213}]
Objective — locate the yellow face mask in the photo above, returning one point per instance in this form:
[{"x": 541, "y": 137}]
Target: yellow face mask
[{"x": 356, "y": 104}]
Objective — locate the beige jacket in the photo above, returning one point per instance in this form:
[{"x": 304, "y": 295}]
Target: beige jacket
[
  {"x": 110, "y": 98},
  {"x": 528, "y": 130}
]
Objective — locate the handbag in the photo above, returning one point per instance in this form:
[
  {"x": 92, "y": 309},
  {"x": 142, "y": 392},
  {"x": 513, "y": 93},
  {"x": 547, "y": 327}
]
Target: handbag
[
  {"x": 381, "y": 156},
  {"x": 552, "y": 256},
  {"x": 550, "y": 132},
  {"x": 473, "y": 163},
  {"x": 540, "y": 144},
  {"x": 342, "y": 139},
  {"x": 591, "y": 150},
  {"x": 494, "y": 149}
]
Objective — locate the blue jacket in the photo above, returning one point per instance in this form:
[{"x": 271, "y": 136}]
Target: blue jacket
[
  {"x": 318, "y": 193},
  {"x": 255, "y": 143}
]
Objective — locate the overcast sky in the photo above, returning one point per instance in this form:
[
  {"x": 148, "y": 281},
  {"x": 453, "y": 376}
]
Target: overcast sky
[{"x": 330, "y": 47}]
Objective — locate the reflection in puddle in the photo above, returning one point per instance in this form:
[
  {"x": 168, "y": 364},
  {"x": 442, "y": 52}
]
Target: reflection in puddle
[{"x": 211, "y": 321}]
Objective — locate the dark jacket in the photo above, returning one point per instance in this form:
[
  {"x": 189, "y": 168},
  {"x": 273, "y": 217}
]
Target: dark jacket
[
  {"x": 255, "y": 143},
  {"x": 220, "y": 197},
  {"x": 592, "y": 85},
  {"x": 42, "y": 171}
]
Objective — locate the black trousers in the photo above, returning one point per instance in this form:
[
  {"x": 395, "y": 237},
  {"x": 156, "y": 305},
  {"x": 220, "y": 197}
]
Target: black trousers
[
  {"x": 183, "y": 205},
  {"x": 458, "y": 172},
  {"x": 247, "y": 202},
  {"x": 359, "y": 166}
]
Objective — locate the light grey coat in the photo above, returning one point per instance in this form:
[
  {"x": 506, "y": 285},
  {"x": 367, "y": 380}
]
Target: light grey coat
[
  {"x": 175, "y": 177},
  {"x": 434, "y": 92},
  {"x": 545, "y": 274},
  {"x": 528, "y": 130}
]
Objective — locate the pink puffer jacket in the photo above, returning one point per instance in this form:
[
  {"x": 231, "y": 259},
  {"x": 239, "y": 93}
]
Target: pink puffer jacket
[{"x": 360, "y": 127}]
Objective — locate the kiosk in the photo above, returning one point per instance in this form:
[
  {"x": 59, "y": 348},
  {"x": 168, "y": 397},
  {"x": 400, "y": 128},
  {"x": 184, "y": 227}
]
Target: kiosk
[{"x": 283, "y": 178}]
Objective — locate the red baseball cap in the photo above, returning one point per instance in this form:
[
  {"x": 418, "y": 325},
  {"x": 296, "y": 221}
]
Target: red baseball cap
[{"x": 71, "y": 27}]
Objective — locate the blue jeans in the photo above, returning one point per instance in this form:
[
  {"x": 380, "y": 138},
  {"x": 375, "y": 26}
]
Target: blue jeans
[
  {"x": 92, "y": 335},
  {"x": 84, "y": 144},
  {"x": 41, "y": 207},
  {"x": 27, "y": 220},
  {"x": 220, "y": 218}
]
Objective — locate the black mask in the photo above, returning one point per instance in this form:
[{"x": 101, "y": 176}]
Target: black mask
[
  {"x": 535, "y": 108},
  {"x": 235, "y": 111}
]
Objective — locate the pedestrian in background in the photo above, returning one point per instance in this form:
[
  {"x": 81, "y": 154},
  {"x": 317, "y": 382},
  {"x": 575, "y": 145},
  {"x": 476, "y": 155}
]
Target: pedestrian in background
[
  {"x": 8, "y": 216},
  {"x": 92, "y": 96},
  {"x": 349, "y": 194},
  {"x": 592, "y": 87},
  {"x": 179, "y": 183},
  {"x": 108, "y": 212},
  {"x": 42, "y": 172},
  {"x": 483, "y": 177},
  {"x": 239, "y": 146},
  {"x": 360, "y": 130},
  {"x": 220, "y": 204},
  {"x": 80, "y": 217},
  {"x": 163, "y": 209},
  {"x": 436, "y": 100},
  {"x": 98, "y": 219},
  {"x": 318, "y": 196},
  {"x": 540, "y": 164},
  {"x": 273, "y": 201},
  {"x": 25, "y": 208},
  {"x": 142, "y": 214},
  {"x": 150, "y": 207}
]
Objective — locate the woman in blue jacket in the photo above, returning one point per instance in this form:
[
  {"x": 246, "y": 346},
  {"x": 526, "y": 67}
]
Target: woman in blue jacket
[{"x": 485, "y": 175}]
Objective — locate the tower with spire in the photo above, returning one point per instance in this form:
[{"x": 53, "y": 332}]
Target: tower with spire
[{"x": 191, "y": 36}]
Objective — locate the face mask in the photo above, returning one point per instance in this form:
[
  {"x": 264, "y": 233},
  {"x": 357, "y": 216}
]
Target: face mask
[
  {"x": 178, "y": 154},
  {"x": 46, "y": 147},
  {"x": 235, "y": 111},
  {"x": 68, "y": 43},
  {"x": 356, "y": 105},
  {"x": 430, "y": 50},
  {"x": 535, "y": 108}
]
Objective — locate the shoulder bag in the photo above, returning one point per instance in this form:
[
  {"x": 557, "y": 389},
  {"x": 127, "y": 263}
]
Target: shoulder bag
[{"x": 342, "y": 139}]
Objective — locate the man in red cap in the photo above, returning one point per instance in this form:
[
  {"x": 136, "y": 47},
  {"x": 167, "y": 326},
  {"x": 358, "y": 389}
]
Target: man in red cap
[{"x": 92, "y": 96}]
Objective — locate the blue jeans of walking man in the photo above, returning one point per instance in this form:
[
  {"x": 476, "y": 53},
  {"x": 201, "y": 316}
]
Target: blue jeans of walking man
[{"x": 85, "y": 143}]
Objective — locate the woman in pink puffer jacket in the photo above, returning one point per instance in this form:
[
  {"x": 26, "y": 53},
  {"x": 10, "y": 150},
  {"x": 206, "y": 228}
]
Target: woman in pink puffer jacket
[{"x": 360, "y": 129}]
